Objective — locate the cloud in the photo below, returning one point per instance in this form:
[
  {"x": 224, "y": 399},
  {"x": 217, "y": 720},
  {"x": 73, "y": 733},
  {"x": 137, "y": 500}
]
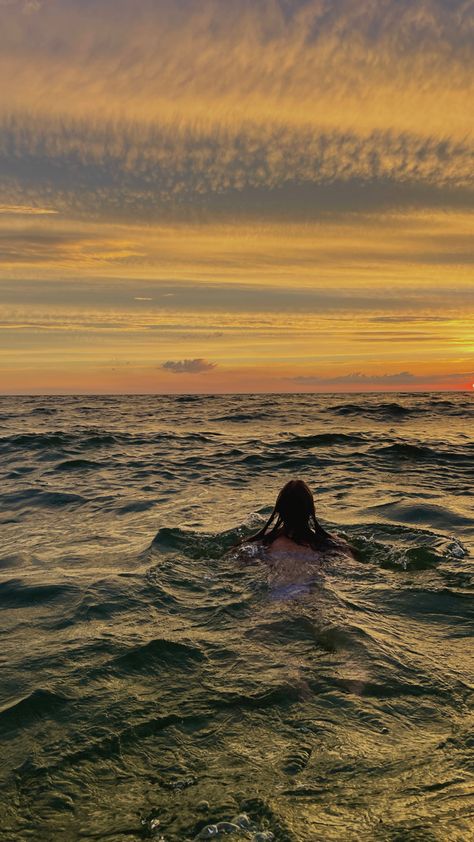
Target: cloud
[
  {"x": 196, "y": 366},
  {"x": 358, "y": 378},
  {"x": 26, "y": 210},
  {"x": 277, "y": 169},
  {"x": 400, "y": 378},
  {"x": 384, "y": 63},
  {"x": 250, "y": 301},
  {"x": 364, "y": 379},
  {"x": 265, "y": 108},
  {"x": 129, "y": 169}
]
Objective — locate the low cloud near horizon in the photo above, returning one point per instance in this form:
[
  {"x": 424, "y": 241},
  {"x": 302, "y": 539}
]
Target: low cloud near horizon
[
  {"x": 401, "y": 378},
  {"x": 196, "y": 366}
]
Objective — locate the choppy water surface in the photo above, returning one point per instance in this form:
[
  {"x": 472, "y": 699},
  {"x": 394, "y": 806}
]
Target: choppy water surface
[{"x": 153, "y": 687}]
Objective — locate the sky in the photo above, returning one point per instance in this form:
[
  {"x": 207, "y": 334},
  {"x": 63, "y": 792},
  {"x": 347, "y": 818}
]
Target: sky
[{"x": 236, "y": 196}]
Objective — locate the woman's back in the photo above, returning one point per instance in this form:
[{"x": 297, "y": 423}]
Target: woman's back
[{"x": 283, "y": 546}]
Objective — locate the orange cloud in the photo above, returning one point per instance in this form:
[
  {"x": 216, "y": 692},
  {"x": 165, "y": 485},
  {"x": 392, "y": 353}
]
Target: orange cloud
[
  {"x": 282, "y": 188},
  {"x": 403, "y": 66}
]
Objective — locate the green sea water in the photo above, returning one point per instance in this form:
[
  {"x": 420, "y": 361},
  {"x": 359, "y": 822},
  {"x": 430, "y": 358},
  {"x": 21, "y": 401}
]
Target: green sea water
[{"x": 153, "y": 686}]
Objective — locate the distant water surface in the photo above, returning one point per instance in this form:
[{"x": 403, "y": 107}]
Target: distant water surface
[{"x": 153, "y": 687}]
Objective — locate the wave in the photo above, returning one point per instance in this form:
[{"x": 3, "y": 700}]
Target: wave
[
  {"x": 59, "y": 439},
  {"x": 406, "y": 450},
  {"x": 282, "y": 695},
  {"x": 322, "y": 440},
  {"x": 44, "y": 410},
  {"x": 34, "y": 497},
  {"x": 78, "y": 465},
  {"x": 393, "y": 410},
  {"x": 20, "y": 559},
  {"x": 377, "y": 543},
  {"x": 136, "y": 506},
  {"x": 238, "y": 417},
  {"x": 15, "y": 594},
  {"x": 193, "y": 544},
  {"x": 284, "y": 630},
  {"x": 38, "y": 703},
  {"x": 441, "y": 402},
  {"x": 279, "y": 461},
  {"x": 448, "y": 406},
  {"x": 88, "y": 439},
  {"x": 157, "y": 652},
  {"x": 411, "y": 558},
  {"x": 427, "y": 513},
  {"x": 34, "y": 441}
]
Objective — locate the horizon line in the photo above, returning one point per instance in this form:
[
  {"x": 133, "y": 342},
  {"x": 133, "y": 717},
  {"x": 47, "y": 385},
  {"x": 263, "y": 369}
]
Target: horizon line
[{"x": 226, "y": 394}]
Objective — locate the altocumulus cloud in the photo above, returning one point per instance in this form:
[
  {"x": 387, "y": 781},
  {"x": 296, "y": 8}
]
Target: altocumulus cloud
[
  {"x": 130, "y": 168},
  {"x": 302, "y": 100},
  {"x": 196, "y": 366}
]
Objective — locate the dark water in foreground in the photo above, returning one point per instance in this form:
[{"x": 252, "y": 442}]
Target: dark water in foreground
[{"x": 152, "y": 688}]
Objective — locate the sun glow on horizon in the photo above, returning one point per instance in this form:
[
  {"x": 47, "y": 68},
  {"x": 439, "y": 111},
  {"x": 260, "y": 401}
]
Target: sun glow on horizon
[{"x": 265, "y": 198}]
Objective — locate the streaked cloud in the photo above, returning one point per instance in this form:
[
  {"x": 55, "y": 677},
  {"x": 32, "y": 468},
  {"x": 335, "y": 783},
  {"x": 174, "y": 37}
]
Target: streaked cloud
[
  {"x": 26, "y": 210},
  {"x": 70, "y": 245},
  {"x": 297, "y": 304},
  {"x": 360, "y": 251},
  {"x": 375, "y": 66}
]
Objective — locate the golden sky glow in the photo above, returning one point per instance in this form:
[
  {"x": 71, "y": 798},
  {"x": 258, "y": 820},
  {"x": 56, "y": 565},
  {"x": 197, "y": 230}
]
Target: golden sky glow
[{"x": 266, "y": 195}]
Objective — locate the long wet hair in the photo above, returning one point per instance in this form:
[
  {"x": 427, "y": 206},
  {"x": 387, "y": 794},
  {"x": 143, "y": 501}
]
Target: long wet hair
[{"x": 294, "y": 516}]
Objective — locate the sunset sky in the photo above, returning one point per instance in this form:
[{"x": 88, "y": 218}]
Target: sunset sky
[{"x": 236, "y": 195}]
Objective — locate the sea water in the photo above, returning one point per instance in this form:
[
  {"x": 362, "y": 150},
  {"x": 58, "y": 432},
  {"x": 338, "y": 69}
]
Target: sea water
[{"x": 155, "y": 685}]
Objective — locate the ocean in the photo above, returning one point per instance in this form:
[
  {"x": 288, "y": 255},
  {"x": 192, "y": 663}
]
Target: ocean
[{"x": 154, "y": 686}]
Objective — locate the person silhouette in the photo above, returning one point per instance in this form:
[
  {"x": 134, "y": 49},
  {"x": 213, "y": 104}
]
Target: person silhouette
[{"x": 293, "y": 529}]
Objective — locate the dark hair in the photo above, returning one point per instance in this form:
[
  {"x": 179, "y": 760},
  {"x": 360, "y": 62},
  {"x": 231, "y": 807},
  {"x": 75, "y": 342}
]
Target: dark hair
[{"x": 294, "y": 516}]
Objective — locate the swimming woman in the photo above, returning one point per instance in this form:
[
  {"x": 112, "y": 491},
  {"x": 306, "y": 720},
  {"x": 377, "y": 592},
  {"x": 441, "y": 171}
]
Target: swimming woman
[{"x": 292, "y": 531}]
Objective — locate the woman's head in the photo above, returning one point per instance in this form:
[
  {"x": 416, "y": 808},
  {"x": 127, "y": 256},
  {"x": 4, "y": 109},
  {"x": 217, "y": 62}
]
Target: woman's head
[
  {"x": 295, "y": 505},
  {"x": 294, "y": 516}
]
